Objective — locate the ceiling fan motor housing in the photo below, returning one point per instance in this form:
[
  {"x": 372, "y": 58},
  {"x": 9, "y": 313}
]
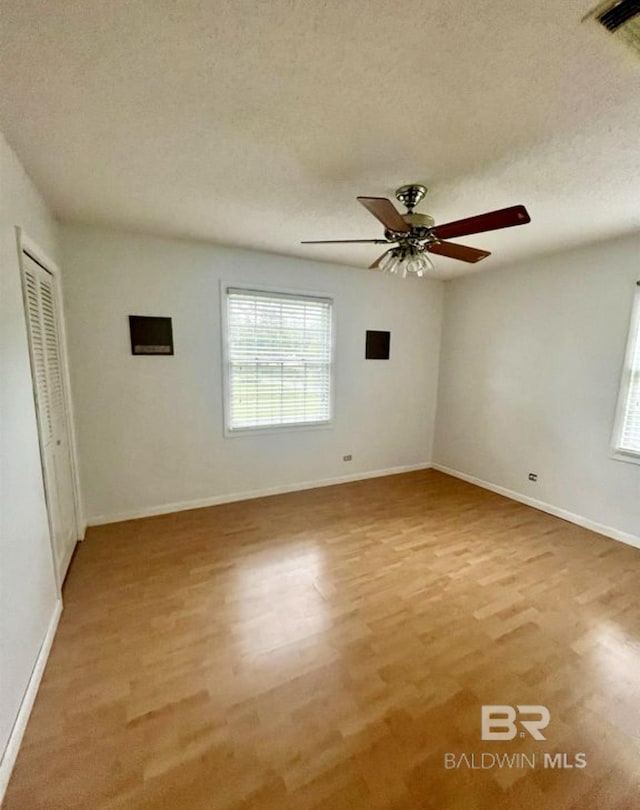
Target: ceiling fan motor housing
[
  {"x": 419, "y": 220},
  {"x": 420, "y": 226}
]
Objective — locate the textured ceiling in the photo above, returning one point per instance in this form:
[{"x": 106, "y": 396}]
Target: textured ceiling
[{"x": 257, "y": 122}]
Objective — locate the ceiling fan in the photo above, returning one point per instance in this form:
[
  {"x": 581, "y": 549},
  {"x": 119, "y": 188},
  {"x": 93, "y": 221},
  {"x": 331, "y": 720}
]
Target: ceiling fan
[{"x": 413, "y": 235}]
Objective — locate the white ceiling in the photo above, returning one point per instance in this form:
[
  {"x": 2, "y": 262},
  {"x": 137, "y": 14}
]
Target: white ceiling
[{"x": 257, "y": 122}]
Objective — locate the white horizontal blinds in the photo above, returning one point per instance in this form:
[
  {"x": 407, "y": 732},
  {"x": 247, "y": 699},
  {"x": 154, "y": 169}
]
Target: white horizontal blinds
[
  {"x": 38, "y": 349},
  {"x": 630, "y": 431},
  {"x": 279, "y": 359}
]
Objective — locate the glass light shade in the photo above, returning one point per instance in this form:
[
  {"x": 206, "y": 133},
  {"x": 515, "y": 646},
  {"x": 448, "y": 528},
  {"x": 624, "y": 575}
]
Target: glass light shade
[{"x": 406, "y": 261}]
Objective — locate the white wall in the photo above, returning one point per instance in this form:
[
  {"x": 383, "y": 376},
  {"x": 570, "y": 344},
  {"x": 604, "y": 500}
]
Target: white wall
[
  {"x": 150, "y": 428},
  {"x": 28, "y": 595},
  {"x": 530, "y": 368}
]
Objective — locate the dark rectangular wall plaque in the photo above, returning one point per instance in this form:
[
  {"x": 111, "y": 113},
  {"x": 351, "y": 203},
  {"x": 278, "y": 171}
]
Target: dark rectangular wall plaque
[
  {"x": 377, "y": 347},
  {"x": 150, "y": 335}
]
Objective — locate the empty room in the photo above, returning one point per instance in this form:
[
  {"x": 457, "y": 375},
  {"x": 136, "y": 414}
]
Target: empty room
[{"x": 319, "y": 405}]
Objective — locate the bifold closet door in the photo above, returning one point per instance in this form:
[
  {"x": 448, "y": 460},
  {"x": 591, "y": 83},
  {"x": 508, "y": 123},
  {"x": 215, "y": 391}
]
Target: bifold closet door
[{"x": 48, "y": 381}]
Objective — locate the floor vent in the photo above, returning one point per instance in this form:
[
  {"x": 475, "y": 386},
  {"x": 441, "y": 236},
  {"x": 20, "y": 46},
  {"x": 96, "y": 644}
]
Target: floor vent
[{"x": 621, "y": 19}]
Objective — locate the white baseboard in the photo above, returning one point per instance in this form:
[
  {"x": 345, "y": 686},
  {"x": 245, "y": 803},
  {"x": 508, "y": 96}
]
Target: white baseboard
[
  {"x": 181, "y": 506},
  {"x": 17, "y": 732},
  {"x": 586, "y": 523}
]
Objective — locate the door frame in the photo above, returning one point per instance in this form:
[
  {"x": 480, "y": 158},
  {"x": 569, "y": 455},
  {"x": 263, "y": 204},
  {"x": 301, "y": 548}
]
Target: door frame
[{"x": 27, "y": 246}]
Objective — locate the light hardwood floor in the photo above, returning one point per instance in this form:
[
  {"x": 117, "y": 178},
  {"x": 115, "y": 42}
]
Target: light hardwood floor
[{"x": 326, "y": 649}]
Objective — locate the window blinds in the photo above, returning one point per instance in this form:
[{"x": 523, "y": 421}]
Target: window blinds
[
  {"x": 629, "y": 440},
  {"x": 279, "y": 357}
]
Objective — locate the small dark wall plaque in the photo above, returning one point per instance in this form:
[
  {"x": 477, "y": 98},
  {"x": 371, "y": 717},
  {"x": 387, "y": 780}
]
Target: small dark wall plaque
[
  {"x": 377, "y": 347},
  {"x": 150, "y": 335}
]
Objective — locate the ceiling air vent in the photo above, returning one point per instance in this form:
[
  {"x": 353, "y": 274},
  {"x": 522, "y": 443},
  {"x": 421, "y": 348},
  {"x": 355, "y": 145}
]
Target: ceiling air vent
[
  {"x": 618, "y": 14},
  {"x": 621, "y": 19}
]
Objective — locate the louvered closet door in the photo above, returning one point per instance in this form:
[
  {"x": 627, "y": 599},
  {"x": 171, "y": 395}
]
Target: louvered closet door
[{"x": 43, "y": 320}]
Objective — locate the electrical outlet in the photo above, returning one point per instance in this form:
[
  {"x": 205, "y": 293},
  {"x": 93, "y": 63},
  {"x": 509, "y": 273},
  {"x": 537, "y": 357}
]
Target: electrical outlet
[
  {"x": 347, "y": 458},
  {"x": 533, "y": 476}
]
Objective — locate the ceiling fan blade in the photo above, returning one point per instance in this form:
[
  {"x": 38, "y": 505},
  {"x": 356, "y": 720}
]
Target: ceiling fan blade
[
  {"x": 492, "y": 221},
  {"x": 384, "y": 211},
  {"x": 345, "y": 242},
  {"x": 378, "y": 260},
  {"x": 461, "y": 252}
]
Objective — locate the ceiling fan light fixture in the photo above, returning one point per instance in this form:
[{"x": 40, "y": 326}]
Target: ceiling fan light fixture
[
  {"x": 406, "y": 261},
  {"x": 414, "y": 236}
]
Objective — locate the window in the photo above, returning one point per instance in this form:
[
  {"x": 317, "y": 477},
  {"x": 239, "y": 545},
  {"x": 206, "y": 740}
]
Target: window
[
  {"x": 627, "y": 431},
  {"x": 278, "y": 359}
]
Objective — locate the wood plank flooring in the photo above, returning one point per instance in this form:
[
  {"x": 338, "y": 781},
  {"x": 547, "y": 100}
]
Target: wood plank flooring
[{"x": 326, "y": 649}]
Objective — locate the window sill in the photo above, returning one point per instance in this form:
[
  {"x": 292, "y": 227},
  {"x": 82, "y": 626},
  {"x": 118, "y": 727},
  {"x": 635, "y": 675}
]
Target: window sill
[
  {"x": 629, "y": 457},
  {"x": 269, "y": 429}
]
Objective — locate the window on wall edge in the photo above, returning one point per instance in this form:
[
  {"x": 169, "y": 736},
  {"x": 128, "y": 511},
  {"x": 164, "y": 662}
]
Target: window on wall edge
[{"x": 626, "y": 439}]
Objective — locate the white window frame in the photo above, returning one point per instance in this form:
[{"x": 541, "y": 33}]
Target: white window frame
[
  {"x": 618, "y": 453},
  {"x": 230, "y": 432}
]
